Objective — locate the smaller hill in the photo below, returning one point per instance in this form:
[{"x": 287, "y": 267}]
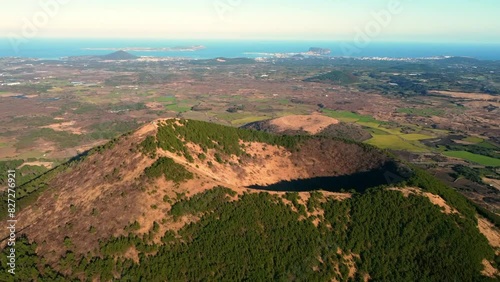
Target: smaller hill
[
  {"x": 311, "y": 124},
  {"x": 294, "y": 124},
  {"x": 119, "y": 55},
  {"x": 347, "y": 131}
]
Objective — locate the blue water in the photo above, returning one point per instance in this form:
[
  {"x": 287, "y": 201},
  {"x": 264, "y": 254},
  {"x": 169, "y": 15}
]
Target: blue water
[{"x": 58, "y": 48}]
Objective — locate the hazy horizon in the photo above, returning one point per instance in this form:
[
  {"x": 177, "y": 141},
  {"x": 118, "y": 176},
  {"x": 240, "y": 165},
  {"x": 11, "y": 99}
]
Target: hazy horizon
[{"x": 392, "y": 21}]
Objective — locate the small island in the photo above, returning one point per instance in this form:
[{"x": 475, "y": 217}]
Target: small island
[
  {"x": 154, "y": 49},
  {"x": 319, "y": 51}
]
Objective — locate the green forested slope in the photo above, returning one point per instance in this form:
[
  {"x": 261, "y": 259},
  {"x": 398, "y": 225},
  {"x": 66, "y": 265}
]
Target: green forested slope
[{"x": 259, "y": 238}]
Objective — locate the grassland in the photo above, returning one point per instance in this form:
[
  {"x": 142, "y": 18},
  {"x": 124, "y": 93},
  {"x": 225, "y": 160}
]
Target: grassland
[
  {"x": 394, "y": 142},
  {"x": 376, "y": 131},
  {"x": 385, "y": 136},
  {"x": 347, "y": 116},
  {"x": 416, "y": 137},
  {"x": 473, "y": 140},
  {"x": 180, "y": 108},
  {"x": 248, "y": 119},
  {"x": 480, "y": 159}
]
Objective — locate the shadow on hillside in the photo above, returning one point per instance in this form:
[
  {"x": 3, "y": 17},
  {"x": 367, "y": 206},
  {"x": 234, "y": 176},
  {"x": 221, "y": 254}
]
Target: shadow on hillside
[{"x": 360, "y": 182}]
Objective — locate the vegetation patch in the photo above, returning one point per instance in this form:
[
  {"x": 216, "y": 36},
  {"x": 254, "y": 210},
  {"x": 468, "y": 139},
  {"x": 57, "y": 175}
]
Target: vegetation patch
[
  {"x": 148, "y": 147},
  {"x": 393, "y": 142},
  {"x": 112, "y": 129},
  {"x": 179, "y": 108},
  {"x": 62, "y": 138},
  {"x": 416, "y": 137},
  {"x": 336, "y": 77},
  {"x": 173, "y": 134},
  {"x": 169, "y": 169},
  {"x": 249, "y": 119},
  {"x": 349, "y": 116},
  {"x": 259, "y": 238},
  {"x": 203, "y": 202},
  {"x": 480, "y": 159},
  {"x": 468, "y": 173},
  {"x": 473, "y": 139}
]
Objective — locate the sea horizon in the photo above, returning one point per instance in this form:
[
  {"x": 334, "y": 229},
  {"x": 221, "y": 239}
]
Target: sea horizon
[{"x": 60, "y": 48}]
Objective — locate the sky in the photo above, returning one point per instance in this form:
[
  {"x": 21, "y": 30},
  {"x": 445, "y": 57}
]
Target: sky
[{"x": 393, "y": 20}]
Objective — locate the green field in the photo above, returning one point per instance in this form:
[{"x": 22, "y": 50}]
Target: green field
[
  {"x": 473, "y": 139},
  {"x": 178, "y": 108},
  {"x": 376, "y": 131},
  {"x": 480, "y": 159},
  {"x": 393, "y": 131},
  {"x": 384, "y": 135},
  {"x": 394, "y": 142},
  {"x": 370, "y": 124},
  {"x": 284, "y": 101},
  {"x": 416, "y": 137},
  {"x": 348, "y": 116},
  {"x": 249, "y": 119},
  {"x": 376, "y": 125},
  {"x": 230, "y": 117},
  {"x": 165, "y": 99}
]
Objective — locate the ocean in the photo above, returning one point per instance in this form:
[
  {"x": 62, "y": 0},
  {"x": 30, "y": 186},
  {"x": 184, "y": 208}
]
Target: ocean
[{"x": 59, "y": 48}]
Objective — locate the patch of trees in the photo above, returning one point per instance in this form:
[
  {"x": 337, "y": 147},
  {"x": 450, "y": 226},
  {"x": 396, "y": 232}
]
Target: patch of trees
[
  {"x": 424, "y": 180},
  {"x": 28, "y": 265},
  {"x": 174, "y": 134},
  {"x": 148, "y": 147},
  {"x": 201, "y": 108},
  {"x": 336, "y": 76},
  {"x": 112, "y": 129},
  {"x": 313, "y": 202},
  {"x": 28, "y": 192},
  {"x": 294, "y": 198},
  {"x": 408, "y": 85},
  {"x": 468, "y": 173},
  {"x": 346, "y": 131},
  {"x": 235, "y": 108},
  {"x": 203, "y": 202},
  {"x": 119, "y": 245},
  {"x": 257, "y": 238},
  {"x": 419, "y": 244},
  {"x": 168, "y": 168},
  {"x": 23, "y": 174}
]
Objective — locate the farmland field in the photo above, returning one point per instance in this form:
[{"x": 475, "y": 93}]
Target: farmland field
[
  {"x": 394, "y": 142},
  {"x": 483, "y": 160},
  {"x": 416, "y": 137}
]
